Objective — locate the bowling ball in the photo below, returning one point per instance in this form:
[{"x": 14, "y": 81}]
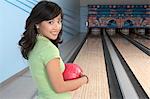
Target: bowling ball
[{"x": 72, "y": 71}]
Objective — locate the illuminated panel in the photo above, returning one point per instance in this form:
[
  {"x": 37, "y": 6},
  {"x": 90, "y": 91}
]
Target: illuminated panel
[{"x": 121, "y": 16}]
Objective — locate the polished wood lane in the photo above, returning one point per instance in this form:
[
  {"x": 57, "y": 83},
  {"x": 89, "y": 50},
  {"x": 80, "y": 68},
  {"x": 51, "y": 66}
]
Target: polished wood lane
[
  {"x": 143, "y": 41},
  {"x": 91, "y": 59},
  {"x": 138, "y": 62}
]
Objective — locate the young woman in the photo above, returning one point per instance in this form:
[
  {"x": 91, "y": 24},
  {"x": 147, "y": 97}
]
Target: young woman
[{"x": 39, "y": 45}]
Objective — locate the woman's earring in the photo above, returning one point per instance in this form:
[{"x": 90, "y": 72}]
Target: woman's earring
[{"x": 37, "y": 26}]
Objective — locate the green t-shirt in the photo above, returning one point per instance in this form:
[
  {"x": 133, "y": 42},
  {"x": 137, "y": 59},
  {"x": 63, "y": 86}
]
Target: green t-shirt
[{"x": 44, "y": 51}]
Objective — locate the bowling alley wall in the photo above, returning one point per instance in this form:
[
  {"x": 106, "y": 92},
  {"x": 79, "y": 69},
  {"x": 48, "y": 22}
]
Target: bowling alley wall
[{"x": 119, "y": 16}]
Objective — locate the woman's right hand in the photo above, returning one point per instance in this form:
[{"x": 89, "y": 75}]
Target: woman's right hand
[{"x": 86, "y": 77}]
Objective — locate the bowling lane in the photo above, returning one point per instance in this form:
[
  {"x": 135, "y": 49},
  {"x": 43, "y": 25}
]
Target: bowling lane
[
  {"x": 143, "y": 41},
  {"x": 138, "y": 62},
  {"x": 91, "y": 59},
  {"x": 137, "y": 38}
]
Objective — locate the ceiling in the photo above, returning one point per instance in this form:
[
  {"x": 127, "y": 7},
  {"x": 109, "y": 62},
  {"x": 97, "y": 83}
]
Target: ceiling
[{"x": 111, "y": 2}]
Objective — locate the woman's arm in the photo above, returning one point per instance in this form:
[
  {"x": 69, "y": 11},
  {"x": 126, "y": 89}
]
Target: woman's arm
[{"x": 56, "y": 78}]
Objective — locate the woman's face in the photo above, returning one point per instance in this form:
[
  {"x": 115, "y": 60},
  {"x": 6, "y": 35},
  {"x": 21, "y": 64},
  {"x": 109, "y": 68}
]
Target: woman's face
[{"x": 50, "y": 28}]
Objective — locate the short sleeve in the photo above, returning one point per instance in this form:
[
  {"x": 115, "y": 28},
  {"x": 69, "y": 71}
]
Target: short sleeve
[{"x": 48, "y": 53}]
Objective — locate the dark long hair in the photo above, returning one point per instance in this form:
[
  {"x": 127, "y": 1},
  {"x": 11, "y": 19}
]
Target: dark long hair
[{"x": 43, "y": 11}]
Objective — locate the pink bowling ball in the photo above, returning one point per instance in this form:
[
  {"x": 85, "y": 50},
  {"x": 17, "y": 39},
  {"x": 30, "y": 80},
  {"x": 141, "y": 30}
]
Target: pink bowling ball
[{"x": 72, "y": 71}]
